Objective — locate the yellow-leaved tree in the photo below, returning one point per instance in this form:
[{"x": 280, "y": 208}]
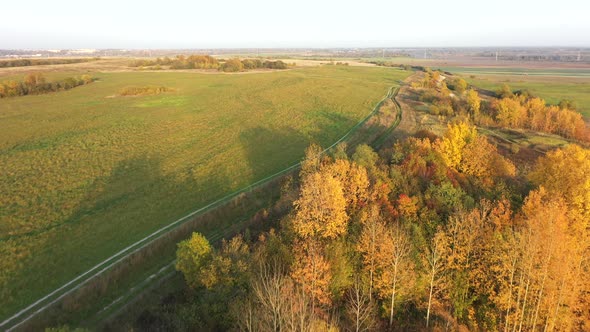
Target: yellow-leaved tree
[
  {"x": 454, "y": 141},
  {"x": 463, "y": 149},
  {"x": 395, "y": 269},
  {"x": 354, "y": 180},
  {"x": 546, "y": 287},
  {"x": 473, "y": 102},
  {"x": 192, "y": 255},
  {"x": 373, "y": 229},
  {"x": 481, "y": 159},
  {"x": 510, "y": 112},
  {"x": 573, "y": 184},
  {"x": 321, "y": 207}
]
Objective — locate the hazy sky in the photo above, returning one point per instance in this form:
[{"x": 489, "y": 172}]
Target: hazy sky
[{"x": 295, "y": 23}]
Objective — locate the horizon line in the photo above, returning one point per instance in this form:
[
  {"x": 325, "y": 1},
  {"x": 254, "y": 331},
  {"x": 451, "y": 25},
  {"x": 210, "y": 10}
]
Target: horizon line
[{"x": 290, "y": 47}]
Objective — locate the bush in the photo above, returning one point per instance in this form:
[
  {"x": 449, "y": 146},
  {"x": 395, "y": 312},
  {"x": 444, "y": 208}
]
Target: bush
[
  {"x": 504, "y": 92},
  {"x": 36, "y": 84},
  {"x": 143, "y": 91},
  {"x": 232, "y": 65}
]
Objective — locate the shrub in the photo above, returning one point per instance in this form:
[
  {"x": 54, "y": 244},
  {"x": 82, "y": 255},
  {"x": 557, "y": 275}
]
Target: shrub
[
  {"x": 143, "y": 91},
  {"x": 232, "y": 65}
]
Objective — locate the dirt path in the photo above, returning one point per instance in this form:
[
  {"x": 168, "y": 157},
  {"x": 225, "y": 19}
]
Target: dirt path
[{"x": 410, "y": 122}]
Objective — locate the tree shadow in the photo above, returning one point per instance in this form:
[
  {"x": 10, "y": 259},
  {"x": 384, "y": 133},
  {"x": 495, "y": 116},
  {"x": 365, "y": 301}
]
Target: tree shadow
[
  {"x": 133, "y": 201},
  {"x": 271, "y": 150}
]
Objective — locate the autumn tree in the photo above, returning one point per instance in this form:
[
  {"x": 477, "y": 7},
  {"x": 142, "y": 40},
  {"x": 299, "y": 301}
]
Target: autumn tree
[
  {"x": 460, "y": 85},
  {"x": 268, "y": 287},
  {"x": 373, "y": 229},
  {"x": 473, "y": 102},
  {"x": 321, "y": 208},
  {"x": 549, "y": 270},
  {"x": 394, "y": 266},
  {"x": 566, "y": 173},
  {"x": 415, "y": 234},
  {"x": 340, "y": 151},
  {"x": 360, "y": 309},
  {"x": 567, "y": 104},
  {"x": 365, "y": 156},
  {"x": 192, "y": 255},
  {"x": 510, "y": 112},
  {"x": 433, "y": 257},
  {"x": 482, "y": 160},
  {"x": 34, "y": 79},
  {"x": 454, "y": 141},
  {"x": 232, "y": 65},
  {"x": 466, "y": 151},
  {"x": 463, "y": 233},
  {"x": 228, "y": 267},
  {"x": 87, "y": 79},
  {"x": 504, "y": 91},
  {"x": 312, "y": 161},
  {"x": 538, "y": 114},
  {"x": 312, "y": 271},
  {"x": 276, "y": 302},
  {"x": 354, "y": 180}
]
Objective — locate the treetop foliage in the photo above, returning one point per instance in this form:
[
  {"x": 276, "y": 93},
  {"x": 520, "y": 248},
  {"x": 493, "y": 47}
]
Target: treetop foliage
[
  {"x": 512, "y": 110},
  {"x": 428, "y": 235}
]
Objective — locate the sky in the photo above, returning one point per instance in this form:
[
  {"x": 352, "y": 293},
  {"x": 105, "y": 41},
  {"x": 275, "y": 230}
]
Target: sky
[{"x": 130, "y": 24}]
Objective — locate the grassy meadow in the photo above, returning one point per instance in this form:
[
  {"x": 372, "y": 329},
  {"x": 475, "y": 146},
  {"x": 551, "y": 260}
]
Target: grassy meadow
[
  {"x": 520, "y": 71},
  {"x": 86, "y": 172}
]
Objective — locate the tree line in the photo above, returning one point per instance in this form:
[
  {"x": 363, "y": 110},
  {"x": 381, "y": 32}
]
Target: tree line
[
  {"x": 181, "y": 62},
  {"x": 507, "y": 108},
  {"x": 209, "y": 62},
  {"x": 236, "y": 65},
  {"x": 383, "y": 63},
  {"x": 36, "y": 83},
  {"x": 436, "y": 232},
  {"x": 39, "y": 62},
  {"x": 523, "y": 110}
]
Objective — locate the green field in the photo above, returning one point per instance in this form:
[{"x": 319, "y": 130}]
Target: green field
[
  {"x": 86, "y": 172},
  {"x": 552, "y": 89}
]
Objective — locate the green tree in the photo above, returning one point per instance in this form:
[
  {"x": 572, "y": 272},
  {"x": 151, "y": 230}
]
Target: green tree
[
  {"x": 192, "y": 255},
  {"x": 365, "y": 156},
  {"x": 567, "y": 104}
]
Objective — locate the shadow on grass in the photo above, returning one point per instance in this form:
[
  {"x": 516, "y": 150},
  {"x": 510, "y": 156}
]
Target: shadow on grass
[
  {"x": 286, "y": 148},
  {"x": 133, "y": 201}
]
